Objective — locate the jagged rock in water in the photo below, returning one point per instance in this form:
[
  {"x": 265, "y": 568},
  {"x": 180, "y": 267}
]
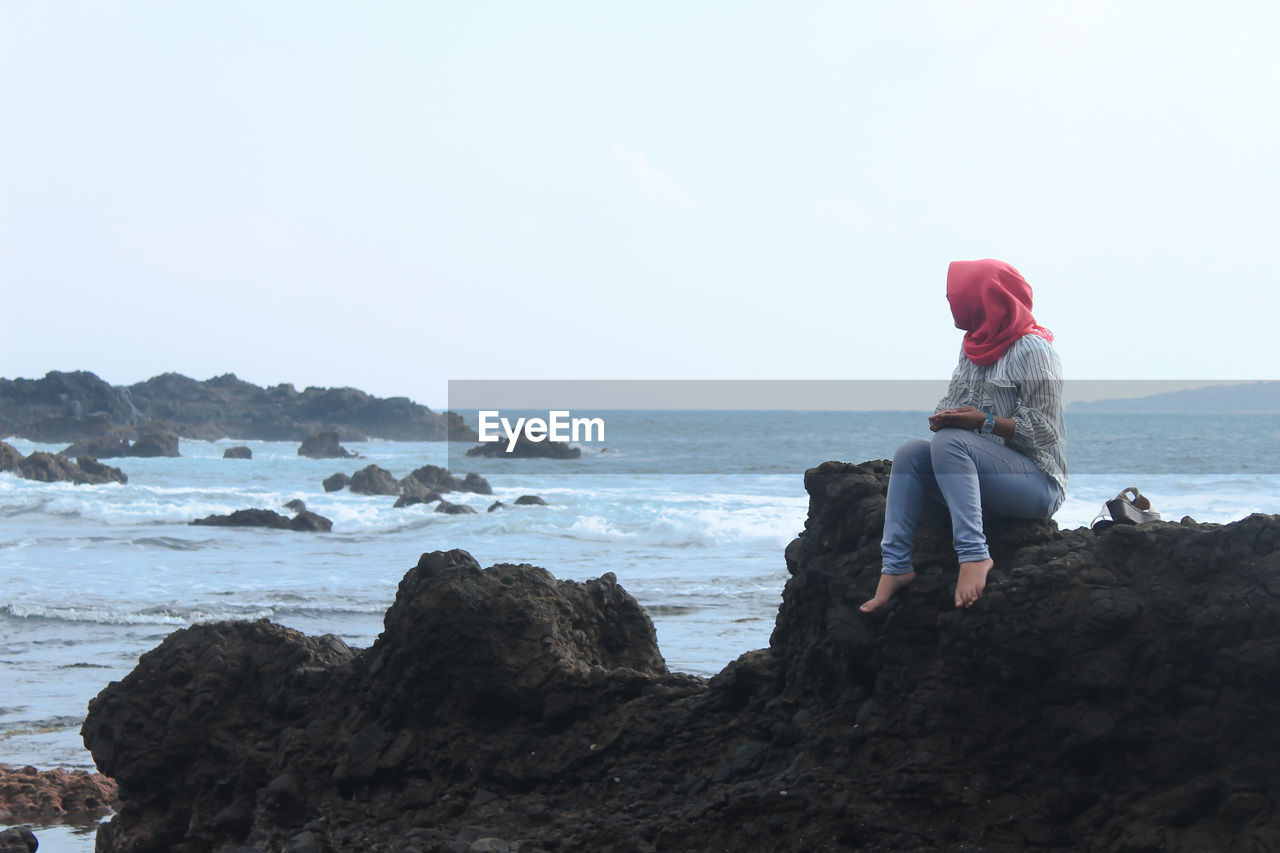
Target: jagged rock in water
[
  {"x": 373, "y": 480},
  {"x": 237, "y": 452},
  {"x": 1111, "y": 691},
  {"x": 529, "y": 500},
  {"x": 336, "y": 482},
  {"x": 475, "y": 483},
  {"x": 303, "y": 521},
  {"x": 411, "y": 500},
  {"x": 55, "y": 468},
  {"x": 151, "y": 439},
  {"x": 323, "y": 444},
  {"x": 526, "y": 450},
  {"x": 454, "y": 509},
  {"x": 9, "y": 457}
]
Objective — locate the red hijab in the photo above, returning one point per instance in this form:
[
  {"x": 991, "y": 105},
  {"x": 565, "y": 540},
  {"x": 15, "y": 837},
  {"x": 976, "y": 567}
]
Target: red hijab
[{"x": 991, "y": 301}]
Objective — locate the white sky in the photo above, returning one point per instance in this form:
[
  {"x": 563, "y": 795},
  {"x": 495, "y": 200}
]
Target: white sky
[{"x": 392, "y": 195}]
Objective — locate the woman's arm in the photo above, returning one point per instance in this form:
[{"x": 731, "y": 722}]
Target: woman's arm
[{"x": 1039, "y": 411}]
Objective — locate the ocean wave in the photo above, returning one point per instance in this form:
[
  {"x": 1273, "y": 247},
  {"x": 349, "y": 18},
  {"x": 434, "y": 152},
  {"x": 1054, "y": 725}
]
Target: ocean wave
[
  {"x": 172, "y": 544},
  {"x": 39, "y": 727},
  {"x": 706, "y": 528},
  {"x": 159, "y": 615}
]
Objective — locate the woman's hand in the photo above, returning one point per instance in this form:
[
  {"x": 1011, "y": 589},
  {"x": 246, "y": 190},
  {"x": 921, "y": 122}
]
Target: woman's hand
[{"x": 965, "y": 417}]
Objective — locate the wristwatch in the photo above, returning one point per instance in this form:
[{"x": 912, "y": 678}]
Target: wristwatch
[{"x": 989, "y": 425}]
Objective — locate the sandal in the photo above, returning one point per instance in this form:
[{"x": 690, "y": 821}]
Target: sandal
[{"x": 1127, "y": 510}]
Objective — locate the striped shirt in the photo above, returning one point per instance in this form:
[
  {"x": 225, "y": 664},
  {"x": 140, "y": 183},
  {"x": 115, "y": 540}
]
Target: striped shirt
[{"x": 1025, "y": 384}]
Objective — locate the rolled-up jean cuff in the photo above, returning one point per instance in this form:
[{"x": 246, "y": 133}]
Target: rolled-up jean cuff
[
  {"x": 896, "y": 570},
  {"x": 974, "y": 555}
]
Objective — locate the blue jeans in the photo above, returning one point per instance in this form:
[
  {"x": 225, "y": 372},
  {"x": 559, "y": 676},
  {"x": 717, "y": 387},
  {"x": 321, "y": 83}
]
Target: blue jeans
[{"x": 968, "y": 473}]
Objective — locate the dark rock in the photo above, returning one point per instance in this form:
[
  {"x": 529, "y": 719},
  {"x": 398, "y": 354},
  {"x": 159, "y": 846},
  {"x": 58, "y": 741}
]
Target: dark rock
[
  {"x": 238, "y": 452},
  {"x": 18, "y": 839},
  {"x": 373, "y": 480},
  {"x": 454, "y": 509},
  {"x": 496, "y": 505},
  {"x": 530, "y": 500},
  {"x": 310, "y": 522},
  {"x": 1125, "y": 683},
  {"x": 335, "y": 483},
  {"x": 9, "y": 457},
  {"x": 411, "y": 500},
  {"x": 75, "y": 406},
  {"x": 246, "y": 518},
  {"x": 431, "y": 478},
  {"x": 93, "y": 472},
  {"x": 296, "y": 505},
  {"x": 303, "y": 521},
  {"x": 324, "y": 445},
  {"x": 151, "y": 439},
  {"x": 155, "y": 439},
  {"x": 526, "y": 450},
  {"x": 476, "y": 483},
  {"x": 50, "y": 468},
  {"x": 192, "y": 675}
]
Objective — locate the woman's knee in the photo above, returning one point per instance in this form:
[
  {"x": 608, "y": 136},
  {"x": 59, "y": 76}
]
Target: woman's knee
[
  {"x": 950, "y": 440},
  {"x": 911, "y": 453}
]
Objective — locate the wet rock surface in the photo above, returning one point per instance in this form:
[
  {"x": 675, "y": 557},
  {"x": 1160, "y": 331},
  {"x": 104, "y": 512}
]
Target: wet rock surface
[
  {"x": 28, "y": 794},
  {"x": 1112, "y": 691},
  {"x": 237, "y": 452},
  {"x": 79, "y": 405}
]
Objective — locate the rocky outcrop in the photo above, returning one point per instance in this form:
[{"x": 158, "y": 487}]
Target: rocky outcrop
[
  {"x": 237, "y": 452},
  {"x": 526, "y": 450},
  {"x": 424, "y": 484},
  {"x": 529, "y": 500},
  {"x": 1110, "y": 691},
  {"x": 454, "y": 509},
  {"x": 412, "y": 500},
  {"x": 323, "y": 444},
  {"x": 9, "y": 457},
  {"x": 433, "y": 478},
  {"x": 155, "y": 438},
  {"x": 373, "y": 480},
  {"x": 55, "y": 468},
  {"x": 75, "y": 406},
  {"x": 305, "y": 520},
  {"x": 477, "y": 484},
  {"x": 28, "y": 794}
]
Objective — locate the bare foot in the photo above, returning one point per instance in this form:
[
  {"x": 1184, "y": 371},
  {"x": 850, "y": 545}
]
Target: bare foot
[
  {"x": 889, "y": 584},
  {"x": 973, "y": 580}
]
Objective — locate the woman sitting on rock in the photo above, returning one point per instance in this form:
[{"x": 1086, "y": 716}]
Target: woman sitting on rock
[{"x": 999, "y": 436}]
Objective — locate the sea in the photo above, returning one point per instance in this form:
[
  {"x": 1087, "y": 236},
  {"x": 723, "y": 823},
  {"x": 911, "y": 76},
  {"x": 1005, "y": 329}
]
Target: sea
[{"x": 691, "y": 510}]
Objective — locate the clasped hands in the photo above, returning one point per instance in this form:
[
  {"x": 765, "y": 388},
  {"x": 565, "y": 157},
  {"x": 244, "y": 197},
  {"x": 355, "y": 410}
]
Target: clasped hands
[{"x": 965, "y": 417}]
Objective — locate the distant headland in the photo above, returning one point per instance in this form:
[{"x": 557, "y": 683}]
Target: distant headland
[
  {"x": 1243, "y": 397},
  {"x": 78, "y": 405}
]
